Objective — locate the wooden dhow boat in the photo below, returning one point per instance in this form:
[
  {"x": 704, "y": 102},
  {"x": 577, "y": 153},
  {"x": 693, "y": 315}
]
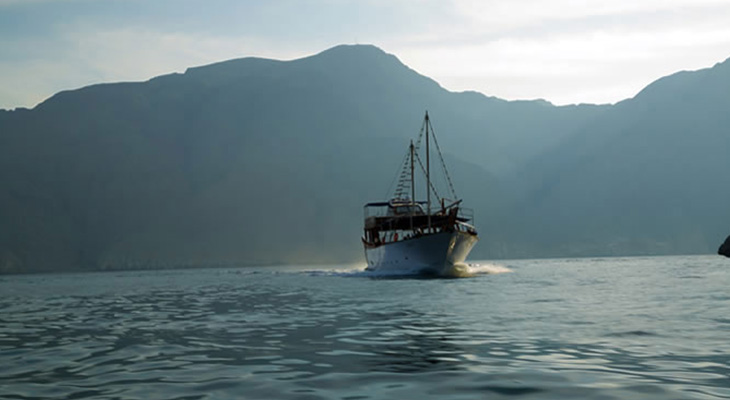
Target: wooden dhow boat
[{"x": 408, "y": 236}]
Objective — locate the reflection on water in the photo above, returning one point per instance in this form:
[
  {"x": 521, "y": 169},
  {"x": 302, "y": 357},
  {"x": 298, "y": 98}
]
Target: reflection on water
[{"x": 289, "y": 334}]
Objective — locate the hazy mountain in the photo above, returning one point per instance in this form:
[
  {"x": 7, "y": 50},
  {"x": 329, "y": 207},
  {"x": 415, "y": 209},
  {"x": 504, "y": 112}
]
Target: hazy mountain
[
  {"x": 649, "y": 176},
  {"x": 264, "y": 161}
]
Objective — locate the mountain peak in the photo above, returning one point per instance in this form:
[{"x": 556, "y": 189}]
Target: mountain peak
[
  {"x": 353, "y": 55},
  {"x": 354, "y": 50}
]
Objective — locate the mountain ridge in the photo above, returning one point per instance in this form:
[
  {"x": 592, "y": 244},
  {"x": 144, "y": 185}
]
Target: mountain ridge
[
  {"x": 259, "y": 161},
  {"x": 648, "y": 157}
]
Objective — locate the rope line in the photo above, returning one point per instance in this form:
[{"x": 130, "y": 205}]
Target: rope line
[
  {"x": 402, "y": 188},
  {"x": 443, "y": 164}
]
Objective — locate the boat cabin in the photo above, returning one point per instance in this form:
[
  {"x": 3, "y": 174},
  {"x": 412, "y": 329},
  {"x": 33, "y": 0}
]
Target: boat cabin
[{"x": 405, "y": 219}]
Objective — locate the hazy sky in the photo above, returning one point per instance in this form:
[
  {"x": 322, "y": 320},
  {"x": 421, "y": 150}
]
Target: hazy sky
[{"x": 565, "y": 51}]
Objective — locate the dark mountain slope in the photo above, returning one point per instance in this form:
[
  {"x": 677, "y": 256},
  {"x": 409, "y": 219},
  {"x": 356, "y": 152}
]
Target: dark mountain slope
[
  {"x": 263, "y": 161},
  {"x": 243, "y": 161}
]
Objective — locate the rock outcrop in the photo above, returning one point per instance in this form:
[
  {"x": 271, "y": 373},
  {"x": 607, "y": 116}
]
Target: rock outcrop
[{"x": 725, "y": 248}]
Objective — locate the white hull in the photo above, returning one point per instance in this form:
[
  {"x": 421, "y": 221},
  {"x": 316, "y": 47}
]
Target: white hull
[{"x": 434, "y": 254}]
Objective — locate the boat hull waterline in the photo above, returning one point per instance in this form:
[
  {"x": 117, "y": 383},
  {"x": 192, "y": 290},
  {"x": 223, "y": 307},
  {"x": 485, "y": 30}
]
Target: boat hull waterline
[{"x": 435, "y": 254}]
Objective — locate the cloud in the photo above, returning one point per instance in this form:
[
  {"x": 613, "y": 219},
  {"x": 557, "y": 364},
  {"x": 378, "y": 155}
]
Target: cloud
[
  {"x": 79, "y": 57},
  {"x": 139, "y": 54},
  {"x": 569, "y": 51},
  {"x": 563, "y": 50},
  {"x": 505, "y": 16},
  {"x": 599, "y": 67}
]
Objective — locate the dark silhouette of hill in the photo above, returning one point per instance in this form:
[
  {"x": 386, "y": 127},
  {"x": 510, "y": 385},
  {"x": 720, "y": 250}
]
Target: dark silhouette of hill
[
  {"x": 724, "y": 249},
  {"x": 255, "y": 161}
]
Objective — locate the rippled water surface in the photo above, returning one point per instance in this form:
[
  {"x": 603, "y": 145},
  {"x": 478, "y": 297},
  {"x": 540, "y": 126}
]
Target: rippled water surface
[{"x": 610, "y": 328}]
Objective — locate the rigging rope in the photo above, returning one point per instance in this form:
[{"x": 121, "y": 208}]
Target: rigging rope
[
  {"x": 443, "y": 164},
  {"x": 433, "y": 188},
  {"x": 405, "y": 164},
  {"x": 403, "y": 186},
  {"x": 420, "y": 136}
]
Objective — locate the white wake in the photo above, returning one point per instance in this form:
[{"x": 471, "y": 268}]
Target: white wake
[
  {"x": 468, "y": 270},
  {"x": 460, "y": 270}
]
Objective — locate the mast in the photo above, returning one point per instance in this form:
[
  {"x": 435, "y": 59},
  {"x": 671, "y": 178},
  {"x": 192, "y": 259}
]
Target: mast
[
  {"x": 413, "y": 183},
  {"x": 428, "y": 177},
  {"x": 413, "y": 188}
]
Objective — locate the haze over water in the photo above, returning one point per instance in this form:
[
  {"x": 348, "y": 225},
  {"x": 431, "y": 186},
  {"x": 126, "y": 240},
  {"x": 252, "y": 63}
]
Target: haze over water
[{"x": 610, "y": 328}]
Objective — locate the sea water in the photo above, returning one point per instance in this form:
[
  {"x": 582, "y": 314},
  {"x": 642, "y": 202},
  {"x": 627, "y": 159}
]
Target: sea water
[{"x": 608, "y": 328}]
